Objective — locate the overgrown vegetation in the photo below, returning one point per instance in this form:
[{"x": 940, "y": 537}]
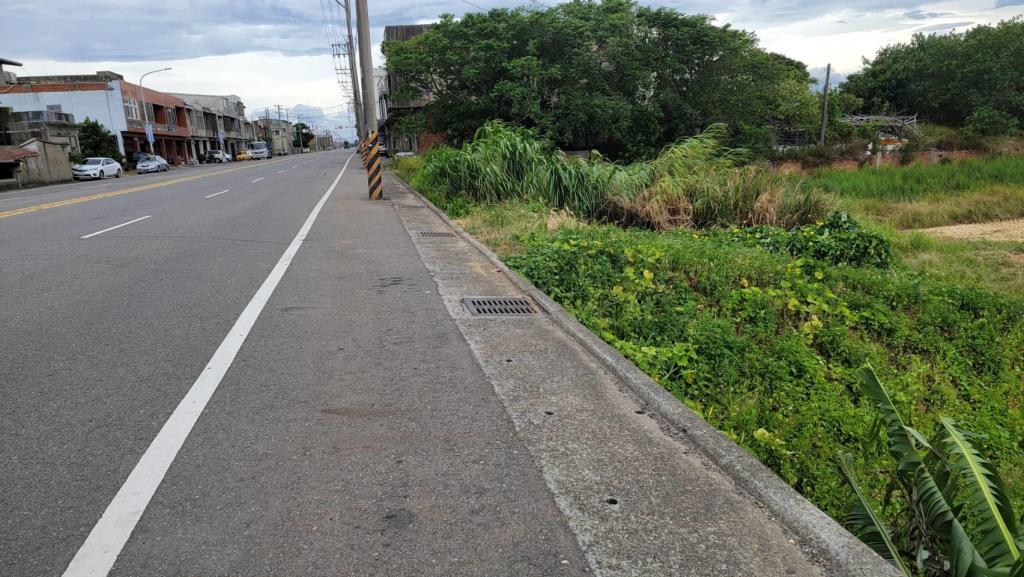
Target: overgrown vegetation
[
  {"x": 766, "y": 346},
  {"x": 695, "y": 182}
]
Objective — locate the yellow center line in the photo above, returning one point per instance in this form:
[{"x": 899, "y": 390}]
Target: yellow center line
[{"x": 98, "y": 196}]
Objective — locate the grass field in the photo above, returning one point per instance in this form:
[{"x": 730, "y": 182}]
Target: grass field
[{"x": 922, "y": 196}]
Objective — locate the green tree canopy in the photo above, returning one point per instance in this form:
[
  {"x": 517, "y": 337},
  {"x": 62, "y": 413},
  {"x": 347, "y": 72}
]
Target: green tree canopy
[
  {"x": 603, "y": 74},
  {"x": 95, "y": 140},
  {"x": 301, "y": 135},
  {"x": 945, "y": 78}
]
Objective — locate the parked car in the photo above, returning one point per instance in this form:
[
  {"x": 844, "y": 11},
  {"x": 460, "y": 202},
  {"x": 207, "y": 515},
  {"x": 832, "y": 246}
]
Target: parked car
[
  {"x": 243, "y": 155},
  {"x": 152, "y": 164},
  {"x": 96, "y": 167},
  {"x": 217, "y": 156}
]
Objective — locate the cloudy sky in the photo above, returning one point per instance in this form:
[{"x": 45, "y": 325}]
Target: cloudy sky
[{"x": 275, "y": 52}]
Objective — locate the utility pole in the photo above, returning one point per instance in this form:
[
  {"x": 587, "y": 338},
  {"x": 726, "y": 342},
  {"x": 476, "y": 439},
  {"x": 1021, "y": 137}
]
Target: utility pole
[
  {"x": 366, "y": 64},
  {"x": 279, "y": 123},
  {"x": 352, "y": 67},
  {"x": 824, "y": 105},
  {"x": 266, "y": 130}
]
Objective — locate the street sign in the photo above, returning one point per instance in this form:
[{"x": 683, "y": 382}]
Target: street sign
[{"x": 149, "y": 133}]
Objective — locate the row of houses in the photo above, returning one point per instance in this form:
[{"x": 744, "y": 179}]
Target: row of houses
[{"x": 185, "y": 127}]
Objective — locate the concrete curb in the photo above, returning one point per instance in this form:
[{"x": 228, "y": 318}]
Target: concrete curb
[{"x": 829, "y": 543}]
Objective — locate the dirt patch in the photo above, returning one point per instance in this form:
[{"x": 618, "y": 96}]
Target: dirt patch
[{"x": 1011, "y": 230}]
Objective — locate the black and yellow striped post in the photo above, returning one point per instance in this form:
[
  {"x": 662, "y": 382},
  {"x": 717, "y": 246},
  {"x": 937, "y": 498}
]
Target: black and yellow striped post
[{"x": 373, "y": 173}]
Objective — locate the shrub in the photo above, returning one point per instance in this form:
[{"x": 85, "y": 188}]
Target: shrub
[
  {"x": 988, "y": 121},
  {"x": 839, "y": 240},
  {"x": 941, "y": 137}
]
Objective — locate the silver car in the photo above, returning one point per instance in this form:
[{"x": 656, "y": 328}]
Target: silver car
[
  {"x": 97, "y": 167},
  {"x": 152, "y": 163}
]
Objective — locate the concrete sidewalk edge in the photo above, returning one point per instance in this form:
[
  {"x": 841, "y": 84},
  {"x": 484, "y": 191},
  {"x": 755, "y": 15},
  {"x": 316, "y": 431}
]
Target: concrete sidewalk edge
[{"x": 827, "y": 541}]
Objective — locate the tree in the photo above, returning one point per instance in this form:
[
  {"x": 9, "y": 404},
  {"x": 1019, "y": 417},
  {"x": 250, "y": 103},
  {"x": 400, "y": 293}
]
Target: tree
[
  {"x": 95, "y": 140},
  {"x": 599, "y": 74},
  {"x": 945, "y": 78},
  {"x": 302, "y": 135}
]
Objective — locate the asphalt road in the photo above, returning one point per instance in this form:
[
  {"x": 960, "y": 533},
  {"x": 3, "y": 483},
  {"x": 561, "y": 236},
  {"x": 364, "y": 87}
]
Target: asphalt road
[{"x": 246, "y": 369}]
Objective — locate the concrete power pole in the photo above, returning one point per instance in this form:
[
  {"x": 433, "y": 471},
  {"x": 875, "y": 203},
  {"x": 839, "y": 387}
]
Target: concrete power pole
[
  {"x": 287, "y": 149},
  {"x": 353, "y": 69},
  {"x": 824, "y": 105},
  {"x": 366, "y": 65}
]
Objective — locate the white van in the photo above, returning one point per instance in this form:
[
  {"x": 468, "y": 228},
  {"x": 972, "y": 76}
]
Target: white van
[{"x": 258, "y": 150}]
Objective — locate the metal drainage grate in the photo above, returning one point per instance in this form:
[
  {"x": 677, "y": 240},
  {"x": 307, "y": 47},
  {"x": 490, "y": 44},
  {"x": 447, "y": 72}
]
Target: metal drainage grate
[
  {"x": 438, "y": 234},
  {"x": 503, "y": 306}
]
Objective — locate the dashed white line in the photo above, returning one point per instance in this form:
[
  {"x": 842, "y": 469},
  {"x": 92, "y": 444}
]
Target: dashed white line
[
  {"x": 106, "y": 540},
  {"x": 295, "y": 166},
  {"x": 115, "y": 227},
  {"x": 280, "y": 171},
  {"x": 257, "y": 180},
  {"x": 216, "y": 193}
]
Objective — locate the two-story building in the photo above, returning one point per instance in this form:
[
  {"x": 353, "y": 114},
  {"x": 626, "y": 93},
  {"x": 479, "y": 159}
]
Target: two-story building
[
  {"x": 120, "y": 106},
  {"x": 165, "y": 112},
  {"x": 216, "y": 123}
]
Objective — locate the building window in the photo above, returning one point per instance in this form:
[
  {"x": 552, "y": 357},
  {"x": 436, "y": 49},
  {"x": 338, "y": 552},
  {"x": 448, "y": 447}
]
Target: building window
[
  {"x": 131, "y": 108},
  {"x": 172, "y": 118}
]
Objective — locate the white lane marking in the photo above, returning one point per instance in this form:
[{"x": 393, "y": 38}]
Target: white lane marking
[
  {"x": 118, "y": 226},
  {"x": 216, "y": 193},
  {"x": 280, "y": 171},
  {"x": 295, "y": 166},
  {"x": 257, "y": 180},
  {"x": 108, "y": 537}
]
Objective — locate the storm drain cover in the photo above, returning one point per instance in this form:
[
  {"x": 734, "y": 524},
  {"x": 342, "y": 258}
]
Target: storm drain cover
[
  {"x": 503, "y": 306},
  {"x": 432, "y": 234}
]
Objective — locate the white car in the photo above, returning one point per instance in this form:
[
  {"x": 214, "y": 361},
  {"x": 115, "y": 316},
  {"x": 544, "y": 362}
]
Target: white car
[
  {"x": 97, "y": 167},
  {"x": 152, "y": 164},
  {"x": 217, "y": 156}
]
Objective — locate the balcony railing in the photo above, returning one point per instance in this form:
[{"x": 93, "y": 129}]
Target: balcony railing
[{"x": 159, "y": 128}]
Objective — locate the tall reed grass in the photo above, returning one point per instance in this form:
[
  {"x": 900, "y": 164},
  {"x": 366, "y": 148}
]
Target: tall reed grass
[{"x": 695, "y": 182}]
